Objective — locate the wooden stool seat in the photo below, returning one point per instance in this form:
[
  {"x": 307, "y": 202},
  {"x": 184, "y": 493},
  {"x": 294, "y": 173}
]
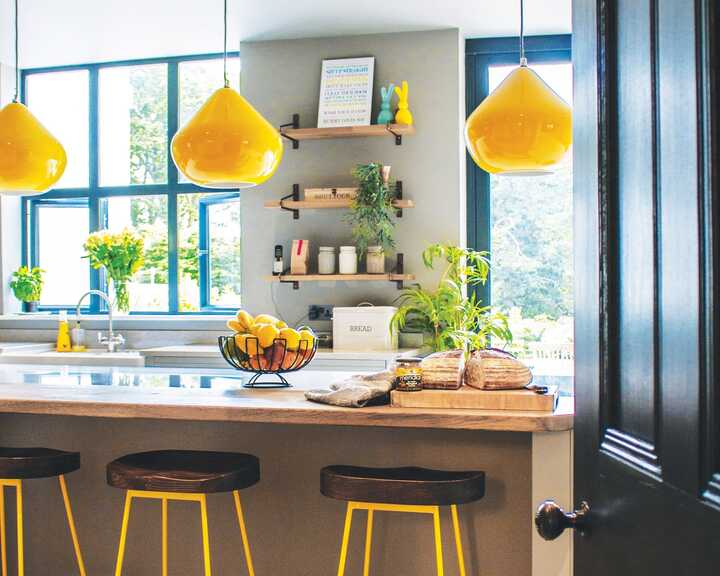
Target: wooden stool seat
[
  {"x": 410, "y": 485},
  {"x": 25, "y": 463},
  {"x": 185, "y": 471}
]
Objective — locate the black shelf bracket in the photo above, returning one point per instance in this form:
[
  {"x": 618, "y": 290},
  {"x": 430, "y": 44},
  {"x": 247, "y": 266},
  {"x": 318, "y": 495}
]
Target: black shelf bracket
[
  {"x": 400, "y": 269},
  {"x": 398, "y": 196},
  {"x": 295, "y": 196},
  {"x": 398, "y": 136},
  {"x": 294, "y": 124},
  {"x": 295, "y": 283}
]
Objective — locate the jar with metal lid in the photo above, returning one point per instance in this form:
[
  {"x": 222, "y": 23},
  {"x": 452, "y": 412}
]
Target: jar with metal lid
[
  {"x": 408, "y": 374},
  {"x": 326, "y": 260}
]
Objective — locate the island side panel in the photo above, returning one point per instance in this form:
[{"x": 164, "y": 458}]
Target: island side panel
[{"x": 293, "y": 530}]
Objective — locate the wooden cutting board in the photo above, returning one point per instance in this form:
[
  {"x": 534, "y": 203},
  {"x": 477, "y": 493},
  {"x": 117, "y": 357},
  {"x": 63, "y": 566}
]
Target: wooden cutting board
[{"x": 473, "y": 399}]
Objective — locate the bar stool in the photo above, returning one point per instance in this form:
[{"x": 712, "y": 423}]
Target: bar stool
[
  {"x": 18, "y": 464},
  {"x": 411, "y": 489},
  {"x": 186, "y": 475}
]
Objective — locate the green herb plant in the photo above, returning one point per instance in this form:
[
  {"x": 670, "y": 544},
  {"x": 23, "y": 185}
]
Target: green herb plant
[
  {"x": 372, "y": 215},
  {"x": 121, "y": 254},
  {"x": 27, "y": 284},
  {"x": 447, "y": 316}
]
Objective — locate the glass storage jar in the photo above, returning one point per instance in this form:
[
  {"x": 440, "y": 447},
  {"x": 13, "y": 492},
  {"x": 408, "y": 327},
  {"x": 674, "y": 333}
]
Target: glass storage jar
[{"x": 326, "y": 260}]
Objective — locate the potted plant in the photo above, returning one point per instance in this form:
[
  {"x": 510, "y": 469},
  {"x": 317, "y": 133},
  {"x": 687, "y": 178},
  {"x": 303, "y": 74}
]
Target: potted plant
[
  {"x": 27, "y": 285},
  {"x": 447, "y": 316},
  {"x": 372, "y": 215},
  {"x": 121, "y": 254}
]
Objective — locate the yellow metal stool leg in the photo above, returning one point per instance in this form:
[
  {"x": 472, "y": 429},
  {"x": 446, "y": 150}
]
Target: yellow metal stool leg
[
  {"x": 458, "y": 540},
  {"x": 20, "y": 544},
  {"x": 205, "y": 536},
  {"x": 123, "y": 533},
  {"x": 438, "y": 540},
  {"x": 368, "y": 542},
  {"x": 243, "y": 533},
  {"x": 3, "y": 549},
  {"x": 71, "y": 524},
  {"x": 164, "y": 536},
  {"x": 346, "y": 538}
]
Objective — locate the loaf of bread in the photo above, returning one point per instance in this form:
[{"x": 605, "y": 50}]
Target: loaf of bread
[
  {"x": 496, "y": 370},
  {"x": 443, "y": 370}
]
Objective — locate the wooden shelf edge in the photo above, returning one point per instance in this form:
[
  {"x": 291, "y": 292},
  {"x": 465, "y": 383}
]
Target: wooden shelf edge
[
  {"x": 341, "y": 278},
  {"x": 348, "y": 131},
  {"x": 326, "y": 204}
]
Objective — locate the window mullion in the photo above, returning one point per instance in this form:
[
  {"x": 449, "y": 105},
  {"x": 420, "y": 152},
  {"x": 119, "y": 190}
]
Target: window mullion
[
  {"x": 94, "y": 208},
  {"x": 172, "y": 177}
]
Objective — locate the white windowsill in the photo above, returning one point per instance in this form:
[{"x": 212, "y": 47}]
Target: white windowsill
[{"x": 99, "y": 322}]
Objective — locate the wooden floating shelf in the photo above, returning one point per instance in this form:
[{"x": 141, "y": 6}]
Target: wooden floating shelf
[
  {"x": 293, "y": 131},
  {"x": 295, "y": 279},
  {"x": 326, "y": 204}
]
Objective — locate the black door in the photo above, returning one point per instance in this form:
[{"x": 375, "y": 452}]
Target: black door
[{"x": 647, "y": 261}]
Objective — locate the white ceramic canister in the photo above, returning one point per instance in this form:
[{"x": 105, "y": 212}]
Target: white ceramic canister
[
  {"x": 326, "y": 260},
  {"x": 348, "y": 260}
]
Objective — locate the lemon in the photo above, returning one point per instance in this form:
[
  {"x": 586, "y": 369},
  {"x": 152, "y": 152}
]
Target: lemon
[
  {"x": 267, "y": 334},
  {"x": 307, "y": 336},
  {"x": 255, "y": 328},
  {"x": 248, "y": 344},
  {"x": 291, "y": 337}
]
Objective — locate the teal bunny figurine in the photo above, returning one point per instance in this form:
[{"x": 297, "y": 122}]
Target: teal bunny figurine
[
  {"x": 385, "y": 116},
  {"x": 403, "y": 115}
]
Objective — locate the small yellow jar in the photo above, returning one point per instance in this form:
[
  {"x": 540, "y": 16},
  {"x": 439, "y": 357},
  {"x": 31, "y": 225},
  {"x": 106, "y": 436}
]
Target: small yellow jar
[{"x": 408, "y": 374}]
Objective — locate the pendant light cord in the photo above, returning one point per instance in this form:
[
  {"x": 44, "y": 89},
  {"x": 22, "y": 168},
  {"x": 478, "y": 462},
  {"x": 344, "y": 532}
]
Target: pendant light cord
[
  {"x": 523, "y": 60},
  {"x": 227, "y": 79},
  {"x": 17, "y": 55}
]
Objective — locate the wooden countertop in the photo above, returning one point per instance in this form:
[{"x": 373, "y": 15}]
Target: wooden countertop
[{"x": 34, "y": 390}]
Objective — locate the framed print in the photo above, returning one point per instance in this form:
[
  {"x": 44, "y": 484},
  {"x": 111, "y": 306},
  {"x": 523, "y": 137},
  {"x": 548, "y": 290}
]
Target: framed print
[{"x": 346, "y": 92}]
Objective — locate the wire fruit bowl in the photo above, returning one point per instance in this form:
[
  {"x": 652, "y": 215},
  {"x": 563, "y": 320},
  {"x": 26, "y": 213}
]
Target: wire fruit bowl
[{"x": 276, "y": 360}]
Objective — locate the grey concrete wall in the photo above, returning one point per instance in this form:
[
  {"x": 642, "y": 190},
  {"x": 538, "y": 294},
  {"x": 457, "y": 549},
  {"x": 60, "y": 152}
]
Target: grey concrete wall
[
  {"x": 283, "y": 77},
  {"x": 294, "y": 531}
]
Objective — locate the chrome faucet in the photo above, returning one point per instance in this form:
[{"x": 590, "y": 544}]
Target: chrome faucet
[{"x": 112, "y": 340}]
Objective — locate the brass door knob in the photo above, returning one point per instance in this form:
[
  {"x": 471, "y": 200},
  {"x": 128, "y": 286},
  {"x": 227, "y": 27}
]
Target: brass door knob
[{"x": 551, "y": 520}]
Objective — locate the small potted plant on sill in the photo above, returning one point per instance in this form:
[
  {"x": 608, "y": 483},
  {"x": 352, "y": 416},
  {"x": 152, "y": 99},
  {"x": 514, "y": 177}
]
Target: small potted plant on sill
[
  {"x": 122, "y": 255},
  {"x": 27, "y": 285},
  {"x": 372, "y": 215}
]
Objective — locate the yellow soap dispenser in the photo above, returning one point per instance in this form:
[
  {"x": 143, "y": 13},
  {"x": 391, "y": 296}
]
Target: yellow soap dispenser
[{"x": 63, "y": 336}]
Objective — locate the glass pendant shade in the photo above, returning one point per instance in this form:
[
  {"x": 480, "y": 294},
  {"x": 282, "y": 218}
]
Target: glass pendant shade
[
  {"x": 522, "y": 128},
  {"x": 32, "y": 160},
  {"x": 227, "y": 144}
]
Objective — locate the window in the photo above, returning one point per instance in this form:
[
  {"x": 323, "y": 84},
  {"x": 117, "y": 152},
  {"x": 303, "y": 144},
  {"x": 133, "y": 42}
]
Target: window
[
  {"x": 526, "y": 222},
  {"x": 116, "y": 121}
]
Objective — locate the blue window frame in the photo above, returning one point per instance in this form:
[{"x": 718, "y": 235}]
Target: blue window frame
[
  {"x": 480, "y": 55},
  {"x": 96, "y": 196}
]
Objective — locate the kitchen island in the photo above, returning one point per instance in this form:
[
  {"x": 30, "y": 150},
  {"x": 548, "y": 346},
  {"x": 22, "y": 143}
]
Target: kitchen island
[{"x": 106, "y": 412}]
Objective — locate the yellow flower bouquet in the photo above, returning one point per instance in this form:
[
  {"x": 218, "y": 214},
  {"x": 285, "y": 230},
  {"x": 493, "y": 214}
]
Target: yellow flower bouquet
[{"x": 121, "y": 254}]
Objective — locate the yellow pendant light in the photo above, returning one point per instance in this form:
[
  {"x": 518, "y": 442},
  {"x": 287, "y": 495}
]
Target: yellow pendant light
[
  {"x": 32, "y": 160},
  {"x": 227, "y": 144},
  {"x": 523, "y": 127}
]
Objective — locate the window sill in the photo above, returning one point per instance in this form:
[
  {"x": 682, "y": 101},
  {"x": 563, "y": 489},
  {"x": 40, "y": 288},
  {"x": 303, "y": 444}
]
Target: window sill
[{"x": 133, "y": 322}]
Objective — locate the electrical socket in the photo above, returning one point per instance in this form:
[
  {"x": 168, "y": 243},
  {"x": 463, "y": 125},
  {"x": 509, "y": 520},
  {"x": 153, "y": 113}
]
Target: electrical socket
[{"x": 320, "y": 312}]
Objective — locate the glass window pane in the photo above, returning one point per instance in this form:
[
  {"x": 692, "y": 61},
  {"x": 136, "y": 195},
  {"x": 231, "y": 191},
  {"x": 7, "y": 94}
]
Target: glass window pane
[
  {"x": 60, "y": 102},
  {"x": 133, "y": 125},
  {"x": 188, "y": 260},
  {"x": 62, "y": 231},
  {"x": 222, "y": 227},
  {"x": 532, "y": 248},
  {"x": 198, "y": 80},
  {"x": 224, "y": 253},
  {"x": 146, "y": 215}
]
